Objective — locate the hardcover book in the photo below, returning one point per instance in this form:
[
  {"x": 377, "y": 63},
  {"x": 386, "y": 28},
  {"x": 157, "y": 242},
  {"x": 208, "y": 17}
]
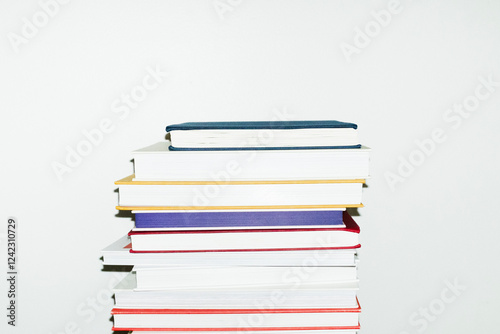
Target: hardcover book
[
  {"x": 236, "y": 319},
  {"x": 223, "y": 277},
  {"x": 279, "y": 135},
  {"x": 237, "y": 219},
  {"x": 333, "y": 295},
  {"x": 158, "y": 163},
  {"x": 250, "y": 331},
  {"x": 248, "y": 239},
  {"x": 238, "y": 195},
  {"x": 120, "y": 253}
]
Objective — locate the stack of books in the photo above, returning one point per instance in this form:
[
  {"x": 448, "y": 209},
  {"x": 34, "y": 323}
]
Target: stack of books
[{"x": 242, "y": 226}]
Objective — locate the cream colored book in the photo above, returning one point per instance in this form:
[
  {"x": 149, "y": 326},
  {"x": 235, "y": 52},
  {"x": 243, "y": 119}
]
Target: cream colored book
[{"x": 237, "y": 195}]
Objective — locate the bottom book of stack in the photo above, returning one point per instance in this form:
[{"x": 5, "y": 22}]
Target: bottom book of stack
[{"x": 316, "y": 308}]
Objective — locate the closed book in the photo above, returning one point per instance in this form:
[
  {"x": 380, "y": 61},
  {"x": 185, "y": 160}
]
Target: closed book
[
  {"x": 119, "y": 253},
  {"x": 250, "y": 331},
  {"x": 158, "y": 162},
  {"x": 248, "y": 239},
  {"x": 263, "y": 135},
  {"x": 223, "y": 277},
  {"x": 237, "y": 219},
  {"x": 241, "y": 195},
  {"x": 336, "y": 295},
  {"x": 236, "y": 319}
]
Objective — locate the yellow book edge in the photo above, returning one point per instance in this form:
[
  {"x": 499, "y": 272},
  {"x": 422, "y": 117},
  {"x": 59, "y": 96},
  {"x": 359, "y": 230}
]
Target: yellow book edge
[
  {"x": 241, "y": 207},
  {"x": 128, "y": 181}
]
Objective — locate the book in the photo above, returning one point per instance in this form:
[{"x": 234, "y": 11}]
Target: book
[
  {"x": 119, "y": 254},
  {"x": 263, "y": 135},
  {"x": 336, "y": 295},
  {"x": 222, "y": 277},
  {"x": 159, "y": 195},
  {"x": 250, "y": 331},
  {"x": 237, "y": 219},
  {"x": 248, "y": 239},
  {"x": 157, "y": 162},
  {"x": 236, "y": 319}
]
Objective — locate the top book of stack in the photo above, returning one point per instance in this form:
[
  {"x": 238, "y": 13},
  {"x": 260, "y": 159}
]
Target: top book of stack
[
  {"x": 334, "y": 156},
  {"x": 277, "y": 135}
]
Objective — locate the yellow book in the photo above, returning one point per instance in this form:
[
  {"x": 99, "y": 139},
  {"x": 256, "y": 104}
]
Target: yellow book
[{"x": 238, "y": 195}]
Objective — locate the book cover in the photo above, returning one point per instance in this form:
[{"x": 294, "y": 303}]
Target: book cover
[
  {"x": 238, "y": 195},
  {"x": 234, "y": 319},
  {"x": 281, "y": 135},
  {"x": 242, "y": 219},
  {"x": 157, "y": 162},
  {"x": 247, "y": 239}
]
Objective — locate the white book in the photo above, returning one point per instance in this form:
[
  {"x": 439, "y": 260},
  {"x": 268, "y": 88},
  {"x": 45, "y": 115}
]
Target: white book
[
  {"x": 152, "y": 277},
  {"x": 326, "y": 296},
  {"x": 118, "y": 254},
  {"x": 265, "y": 239},
  {"x": 174, "y": 319},
  {"x": 156, "y": 162},
  {"x": 135, "y": 195}
]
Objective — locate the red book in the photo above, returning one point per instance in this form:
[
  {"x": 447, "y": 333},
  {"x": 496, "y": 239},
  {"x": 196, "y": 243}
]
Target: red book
[
  {"x": 247, "y": 239},
  {"x": 268, "y": 319}
]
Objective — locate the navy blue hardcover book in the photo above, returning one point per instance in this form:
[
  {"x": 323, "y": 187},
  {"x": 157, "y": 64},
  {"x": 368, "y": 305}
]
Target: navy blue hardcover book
[
  {"x": 260, "y": 125},
  {"x": 239, "y": 219},
  {"x": 262, "y": 135}
]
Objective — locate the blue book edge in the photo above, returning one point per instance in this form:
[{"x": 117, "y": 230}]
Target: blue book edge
[
  {"x": 252, "y": 125},
  {"x": 171, "y": 148}
]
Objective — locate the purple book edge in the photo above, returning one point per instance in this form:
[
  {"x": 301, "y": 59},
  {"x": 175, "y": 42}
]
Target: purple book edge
[{"x": 237, "y": 219}]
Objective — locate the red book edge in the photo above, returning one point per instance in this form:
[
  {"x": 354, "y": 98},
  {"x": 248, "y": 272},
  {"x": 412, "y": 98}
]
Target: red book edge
[
  {"x": 356, "y": 309},
  {"x": 350, "y": 226},
  {"x": 245, "y": 250},
  {"x": 234, "y": 329}
]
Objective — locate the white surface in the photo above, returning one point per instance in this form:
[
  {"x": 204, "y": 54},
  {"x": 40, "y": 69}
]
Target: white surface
[{"x": 439, "y": 225}]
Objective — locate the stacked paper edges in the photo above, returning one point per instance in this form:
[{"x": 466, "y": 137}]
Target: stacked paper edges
[{"x": 252, "y": 237}]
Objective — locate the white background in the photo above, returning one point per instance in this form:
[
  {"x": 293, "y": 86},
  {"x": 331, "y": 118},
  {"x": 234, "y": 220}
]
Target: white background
[{"x": 439, "y": 225}]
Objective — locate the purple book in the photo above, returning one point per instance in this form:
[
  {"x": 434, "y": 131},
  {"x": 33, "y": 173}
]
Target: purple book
[{"x": 250, "y": 219}]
